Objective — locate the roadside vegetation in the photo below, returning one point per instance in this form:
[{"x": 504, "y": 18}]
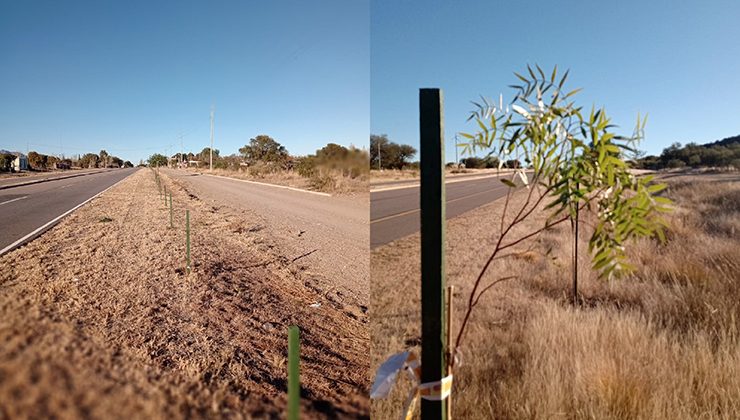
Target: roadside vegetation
[
  {"x": 40, "y": 162},
  {"x": 722, "y": 155},
  {"x": 660, "y": 343},
  {"x": 652, "y": 331},
  {"x": 333, "y": 168},
  {"x": 386, "y": 154}
]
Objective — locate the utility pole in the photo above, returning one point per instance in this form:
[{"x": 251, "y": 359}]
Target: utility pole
[
  {"x": 457, "y": 162},
  {"x": 379, "y": 166},
  {"x": 211, "y": 149}
]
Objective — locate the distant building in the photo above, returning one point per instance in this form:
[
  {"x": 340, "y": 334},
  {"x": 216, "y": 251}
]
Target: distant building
[{"x": 20, "y": 163}]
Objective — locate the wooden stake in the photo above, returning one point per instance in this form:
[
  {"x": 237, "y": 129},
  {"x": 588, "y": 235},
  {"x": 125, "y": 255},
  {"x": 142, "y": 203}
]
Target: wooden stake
[
  {"x": 450, "y": 346},
  {"x": 187, "y": 236},
  {"x": 575, "y": 256}
]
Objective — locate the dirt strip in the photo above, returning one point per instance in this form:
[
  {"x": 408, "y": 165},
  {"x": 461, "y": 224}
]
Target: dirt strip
[{"x": 98, "y": 318}]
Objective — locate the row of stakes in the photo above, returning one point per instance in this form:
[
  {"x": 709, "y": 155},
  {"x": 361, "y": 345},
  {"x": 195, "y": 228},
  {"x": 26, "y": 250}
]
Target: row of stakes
[{"x": 294, "y": 382}]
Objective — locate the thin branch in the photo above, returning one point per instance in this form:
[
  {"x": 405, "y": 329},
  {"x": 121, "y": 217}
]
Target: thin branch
[{"x": 487, "y": 288}]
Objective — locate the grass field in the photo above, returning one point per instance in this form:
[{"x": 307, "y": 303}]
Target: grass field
[{"x": 662, "y": 343}]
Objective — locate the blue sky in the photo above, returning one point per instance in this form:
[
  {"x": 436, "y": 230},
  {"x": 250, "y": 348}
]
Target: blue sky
[
  {"x": 129, "y": 77},
  {"x": 677, "y": 61}
]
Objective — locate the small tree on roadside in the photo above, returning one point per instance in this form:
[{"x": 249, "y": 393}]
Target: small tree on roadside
[
  {"x": 157, "y": 160},
  {"x": 89, "y": 160},
  {"x": 6, "y": 162},
  {"x": 37, "y": 160},
  {"x": 576, "y": 163},
  {"x": 264, "y": 149}
]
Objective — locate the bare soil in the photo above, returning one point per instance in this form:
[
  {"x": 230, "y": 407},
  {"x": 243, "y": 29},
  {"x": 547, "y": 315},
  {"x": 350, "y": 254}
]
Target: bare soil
[{"x": 99, "y": 318}]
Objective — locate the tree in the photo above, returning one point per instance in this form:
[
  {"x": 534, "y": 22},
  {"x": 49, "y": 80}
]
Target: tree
[
  {"x": 104, "y": 159},
  {"x": 128, "y": 164},
  {"x": 37, "y": 160},
  {"x": 51, "y": 162},
  {"x": 205, "y": 155},
  {"x": 157, "y": 160},
  {"x": 348, "y": 161},
  {"x": 6, "y": 161},
  {"x": 378, "y": 143},
  {"x": 390, "y": 155},
  {"x": 577, "y": 164},
  {"x": 264, "y": 148},
  {"x": 88, "y": 160}
]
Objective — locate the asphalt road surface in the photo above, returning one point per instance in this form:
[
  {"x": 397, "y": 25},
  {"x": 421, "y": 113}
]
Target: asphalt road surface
[
  {"x": 394, "y": 211},
  {"x": 333, "y": 229},
  {"x": 16, "y": 180},
  {"x": 31, "y": 209}
]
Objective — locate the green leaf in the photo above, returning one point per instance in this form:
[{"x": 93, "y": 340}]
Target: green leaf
[{"x": 508, "y": 183}]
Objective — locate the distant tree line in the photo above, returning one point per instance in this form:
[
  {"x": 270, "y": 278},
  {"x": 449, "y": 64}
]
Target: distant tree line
[
  {"x": 41, "y": 162},
  {"x": 263, "y": 155},
  {"x": 487, "y": 162},
  {"x": 722, "y": 153}
]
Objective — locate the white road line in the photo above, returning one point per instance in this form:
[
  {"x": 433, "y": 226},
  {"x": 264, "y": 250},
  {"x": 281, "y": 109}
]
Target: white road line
[
  {"x": 407, "y": 212},
  {"x": 272, "y": 185},
  {"x": 451, "y": 181},
  {"x": 56, "y": 219},
  {"x": 15, "y": 199}
]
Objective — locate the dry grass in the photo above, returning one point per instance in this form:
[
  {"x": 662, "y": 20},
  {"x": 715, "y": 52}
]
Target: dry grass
[
  {"x": 99, "y": 320},
  {"x": 330, "y": 182},
  {"x": 662, "y": 343}
]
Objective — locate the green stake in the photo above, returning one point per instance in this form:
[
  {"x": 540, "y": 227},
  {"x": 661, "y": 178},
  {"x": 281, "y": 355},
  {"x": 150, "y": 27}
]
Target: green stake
[
  {"x": 187, "y": 236},
  {"x": 432, "y": 206},
  {"x": 294, "y": 379},
  {"x": 171, "y": 225}
]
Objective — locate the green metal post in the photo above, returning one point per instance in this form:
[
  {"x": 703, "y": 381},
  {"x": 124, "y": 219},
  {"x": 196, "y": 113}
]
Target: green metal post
[
  {"x": 294, "y": 379},
  {"x": 432, "y": 205},
  {"x": 187, "y": 238},
  {"x": 171, "y": 225}
]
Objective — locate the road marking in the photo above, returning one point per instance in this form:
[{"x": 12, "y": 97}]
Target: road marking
[
  {"x": 22, "y": 240},
  {"x": 69, "y": 185},
  {"x": 15, "y": 199},
  {"x": 405, "y": 213},
  {"x": 272, "y": 185},
  {"x": 452, "y": 181}
]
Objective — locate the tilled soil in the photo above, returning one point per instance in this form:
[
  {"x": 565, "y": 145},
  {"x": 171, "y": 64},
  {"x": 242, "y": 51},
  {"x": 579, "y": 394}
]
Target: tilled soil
[{"x": 99, "y": 319}]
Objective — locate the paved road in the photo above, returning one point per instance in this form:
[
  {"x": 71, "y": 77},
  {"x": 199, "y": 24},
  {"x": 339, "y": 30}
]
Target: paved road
[
  {"x": 33, "y": 177},
  {"x": 25, "y": 209},
  {"x": 394, "y": 212},
  {"x": 335, "y": 228}
]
